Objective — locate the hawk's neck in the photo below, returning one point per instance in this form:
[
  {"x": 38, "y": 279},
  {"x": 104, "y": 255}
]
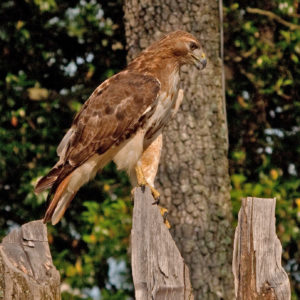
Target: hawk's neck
[{"x": 165, "y": 69}]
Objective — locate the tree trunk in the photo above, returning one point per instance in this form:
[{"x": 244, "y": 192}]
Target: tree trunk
[{"x": 193, "y": 176}]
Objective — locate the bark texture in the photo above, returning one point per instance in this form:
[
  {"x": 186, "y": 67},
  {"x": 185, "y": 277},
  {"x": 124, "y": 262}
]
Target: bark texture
[
  {"x": 193, "y": 175},
  {"x": 26, "y": 268},
  {"x": 257, "y": 253},
  {"x": 158, "y": 269}
]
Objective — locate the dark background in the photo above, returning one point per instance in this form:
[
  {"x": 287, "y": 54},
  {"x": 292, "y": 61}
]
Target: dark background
[{"x": 53, "y": 54}]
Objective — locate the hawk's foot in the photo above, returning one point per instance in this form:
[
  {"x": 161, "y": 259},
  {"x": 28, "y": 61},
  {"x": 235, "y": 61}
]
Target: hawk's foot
[
  {"x": 132, "y": 193},
  {"x": 164, "y": 213},
  {"x": 155, "y": 194},
  {"x": 141, "y": 180}
]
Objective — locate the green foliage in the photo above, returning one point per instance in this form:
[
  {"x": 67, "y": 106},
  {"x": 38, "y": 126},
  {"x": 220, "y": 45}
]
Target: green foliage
[
  {"x": 263, "y": 84},
  {"x": 53, "y": 54}
]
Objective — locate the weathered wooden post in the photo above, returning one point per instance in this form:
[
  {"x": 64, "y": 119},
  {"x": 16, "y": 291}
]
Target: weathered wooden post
[
  {"x": 158, "y": 269},
  {"x": 257, "y": 253},
  {"x": 26, "y": 268}
]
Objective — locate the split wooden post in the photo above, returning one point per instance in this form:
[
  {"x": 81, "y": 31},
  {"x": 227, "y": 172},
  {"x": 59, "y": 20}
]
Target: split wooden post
[
  {"x": 257, "y": 253},
  {"x": 26, "y": 268},
  {"x": 158, "y": 269}
]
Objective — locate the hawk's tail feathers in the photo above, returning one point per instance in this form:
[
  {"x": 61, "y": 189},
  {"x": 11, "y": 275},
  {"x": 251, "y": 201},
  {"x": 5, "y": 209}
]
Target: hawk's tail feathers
[
  {"x": 47, "y": 181},
  {"x": 68, "y": 182},
  {"x": 60, "y": 202}
]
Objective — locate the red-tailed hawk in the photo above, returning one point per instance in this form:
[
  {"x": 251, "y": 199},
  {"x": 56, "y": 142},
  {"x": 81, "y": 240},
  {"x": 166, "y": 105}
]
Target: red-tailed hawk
[{"x": 122, "y": 121}]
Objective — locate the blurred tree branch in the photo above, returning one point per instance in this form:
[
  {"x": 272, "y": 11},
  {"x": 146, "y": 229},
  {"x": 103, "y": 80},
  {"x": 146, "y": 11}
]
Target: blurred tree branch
[{"x": 272, "y": 16}]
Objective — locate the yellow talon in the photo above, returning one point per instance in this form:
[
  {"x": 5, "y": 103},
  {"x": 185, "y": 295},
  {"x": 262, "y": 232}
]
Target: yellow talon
[
  {"x": 164, "y": 213},
  {"x": 140, "y": 176},
  {"x": 142, "y": 182},
  {"x": 155, "y": 194}
]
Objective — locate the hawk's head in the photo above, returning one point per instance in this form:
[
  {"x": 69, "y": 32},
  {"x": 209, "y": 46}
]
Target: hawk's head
[{"x": 183, "y": 46}]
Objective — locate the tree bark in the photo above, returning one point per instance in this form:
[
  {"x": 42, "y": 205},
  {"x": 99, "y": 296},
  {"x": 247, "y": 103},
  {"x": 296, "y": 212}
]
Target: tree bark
[
  {"x": 158, "y": 269},
  {"x": 257, "y": 254},
  {"x": 26, "y": 268},
  {"x": 193, "y": 176}
]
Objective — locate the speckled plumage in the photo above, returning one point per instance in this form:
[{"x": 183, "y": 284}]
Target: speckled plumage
[{"x": 122, "y": 121}]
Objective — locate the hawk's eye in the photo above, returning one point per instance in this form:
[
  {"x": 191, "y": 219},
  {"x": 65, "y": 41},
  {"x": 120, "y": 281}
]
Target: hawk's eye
[{"x": 193, "y": 46}]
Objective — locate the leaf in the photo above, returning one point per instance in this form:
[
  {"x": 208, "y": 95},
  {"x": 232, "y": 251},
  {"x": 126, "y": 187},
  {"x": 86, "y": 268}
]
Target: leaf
[
  {"x": 37, "y": 94},
  {"x": 237, "y": 180}
]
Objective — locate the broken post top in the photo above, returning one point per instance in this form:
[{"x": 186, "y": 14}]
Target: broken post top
[{"x": 257, "y": 253}]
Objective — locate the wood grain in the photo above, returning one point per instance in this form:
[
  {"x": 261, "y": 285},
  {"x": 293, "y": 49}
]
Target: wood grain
[
  {"x": 158, "y": 269},
  {"x": 257, "y": 253},
  {"x": 26, "y": 268}
]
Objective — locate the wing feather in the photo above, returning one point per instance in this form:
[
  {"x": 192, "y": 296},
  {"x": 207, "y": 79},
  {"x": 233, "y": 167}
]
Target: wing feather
[
  {"x": 108, "y": 116},
  {"x": 112, "y": 114}
]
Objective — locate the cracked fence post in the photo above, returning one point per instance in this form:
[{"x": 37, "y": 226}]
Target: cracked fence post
[
  {"x": 158, "y": 269},
  {"x": 257, "y": 253},
  {"x": 26, "y": 268}
]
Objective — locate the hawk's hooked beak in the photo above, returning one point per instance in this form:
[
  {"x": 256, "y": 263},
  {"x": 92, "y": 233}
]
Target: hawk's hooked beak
[{"x": 200, "y": 60}]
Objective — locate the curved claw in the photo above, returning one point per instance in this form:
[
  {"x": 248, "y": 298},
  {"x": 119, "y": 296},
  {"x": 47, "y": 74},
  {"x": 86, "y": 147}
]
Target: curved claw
[
  {"x": 164, "y": 213},
  {"x": 155, "y": 194},
  {"x": 156, "y": 201},
  {"x": 141, "y": 180}
]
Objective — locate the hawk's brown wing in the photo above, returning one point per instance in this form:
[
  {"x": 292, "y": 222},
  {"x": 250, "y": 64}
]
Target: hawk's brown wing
[{"x": 112, "y": 113}]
